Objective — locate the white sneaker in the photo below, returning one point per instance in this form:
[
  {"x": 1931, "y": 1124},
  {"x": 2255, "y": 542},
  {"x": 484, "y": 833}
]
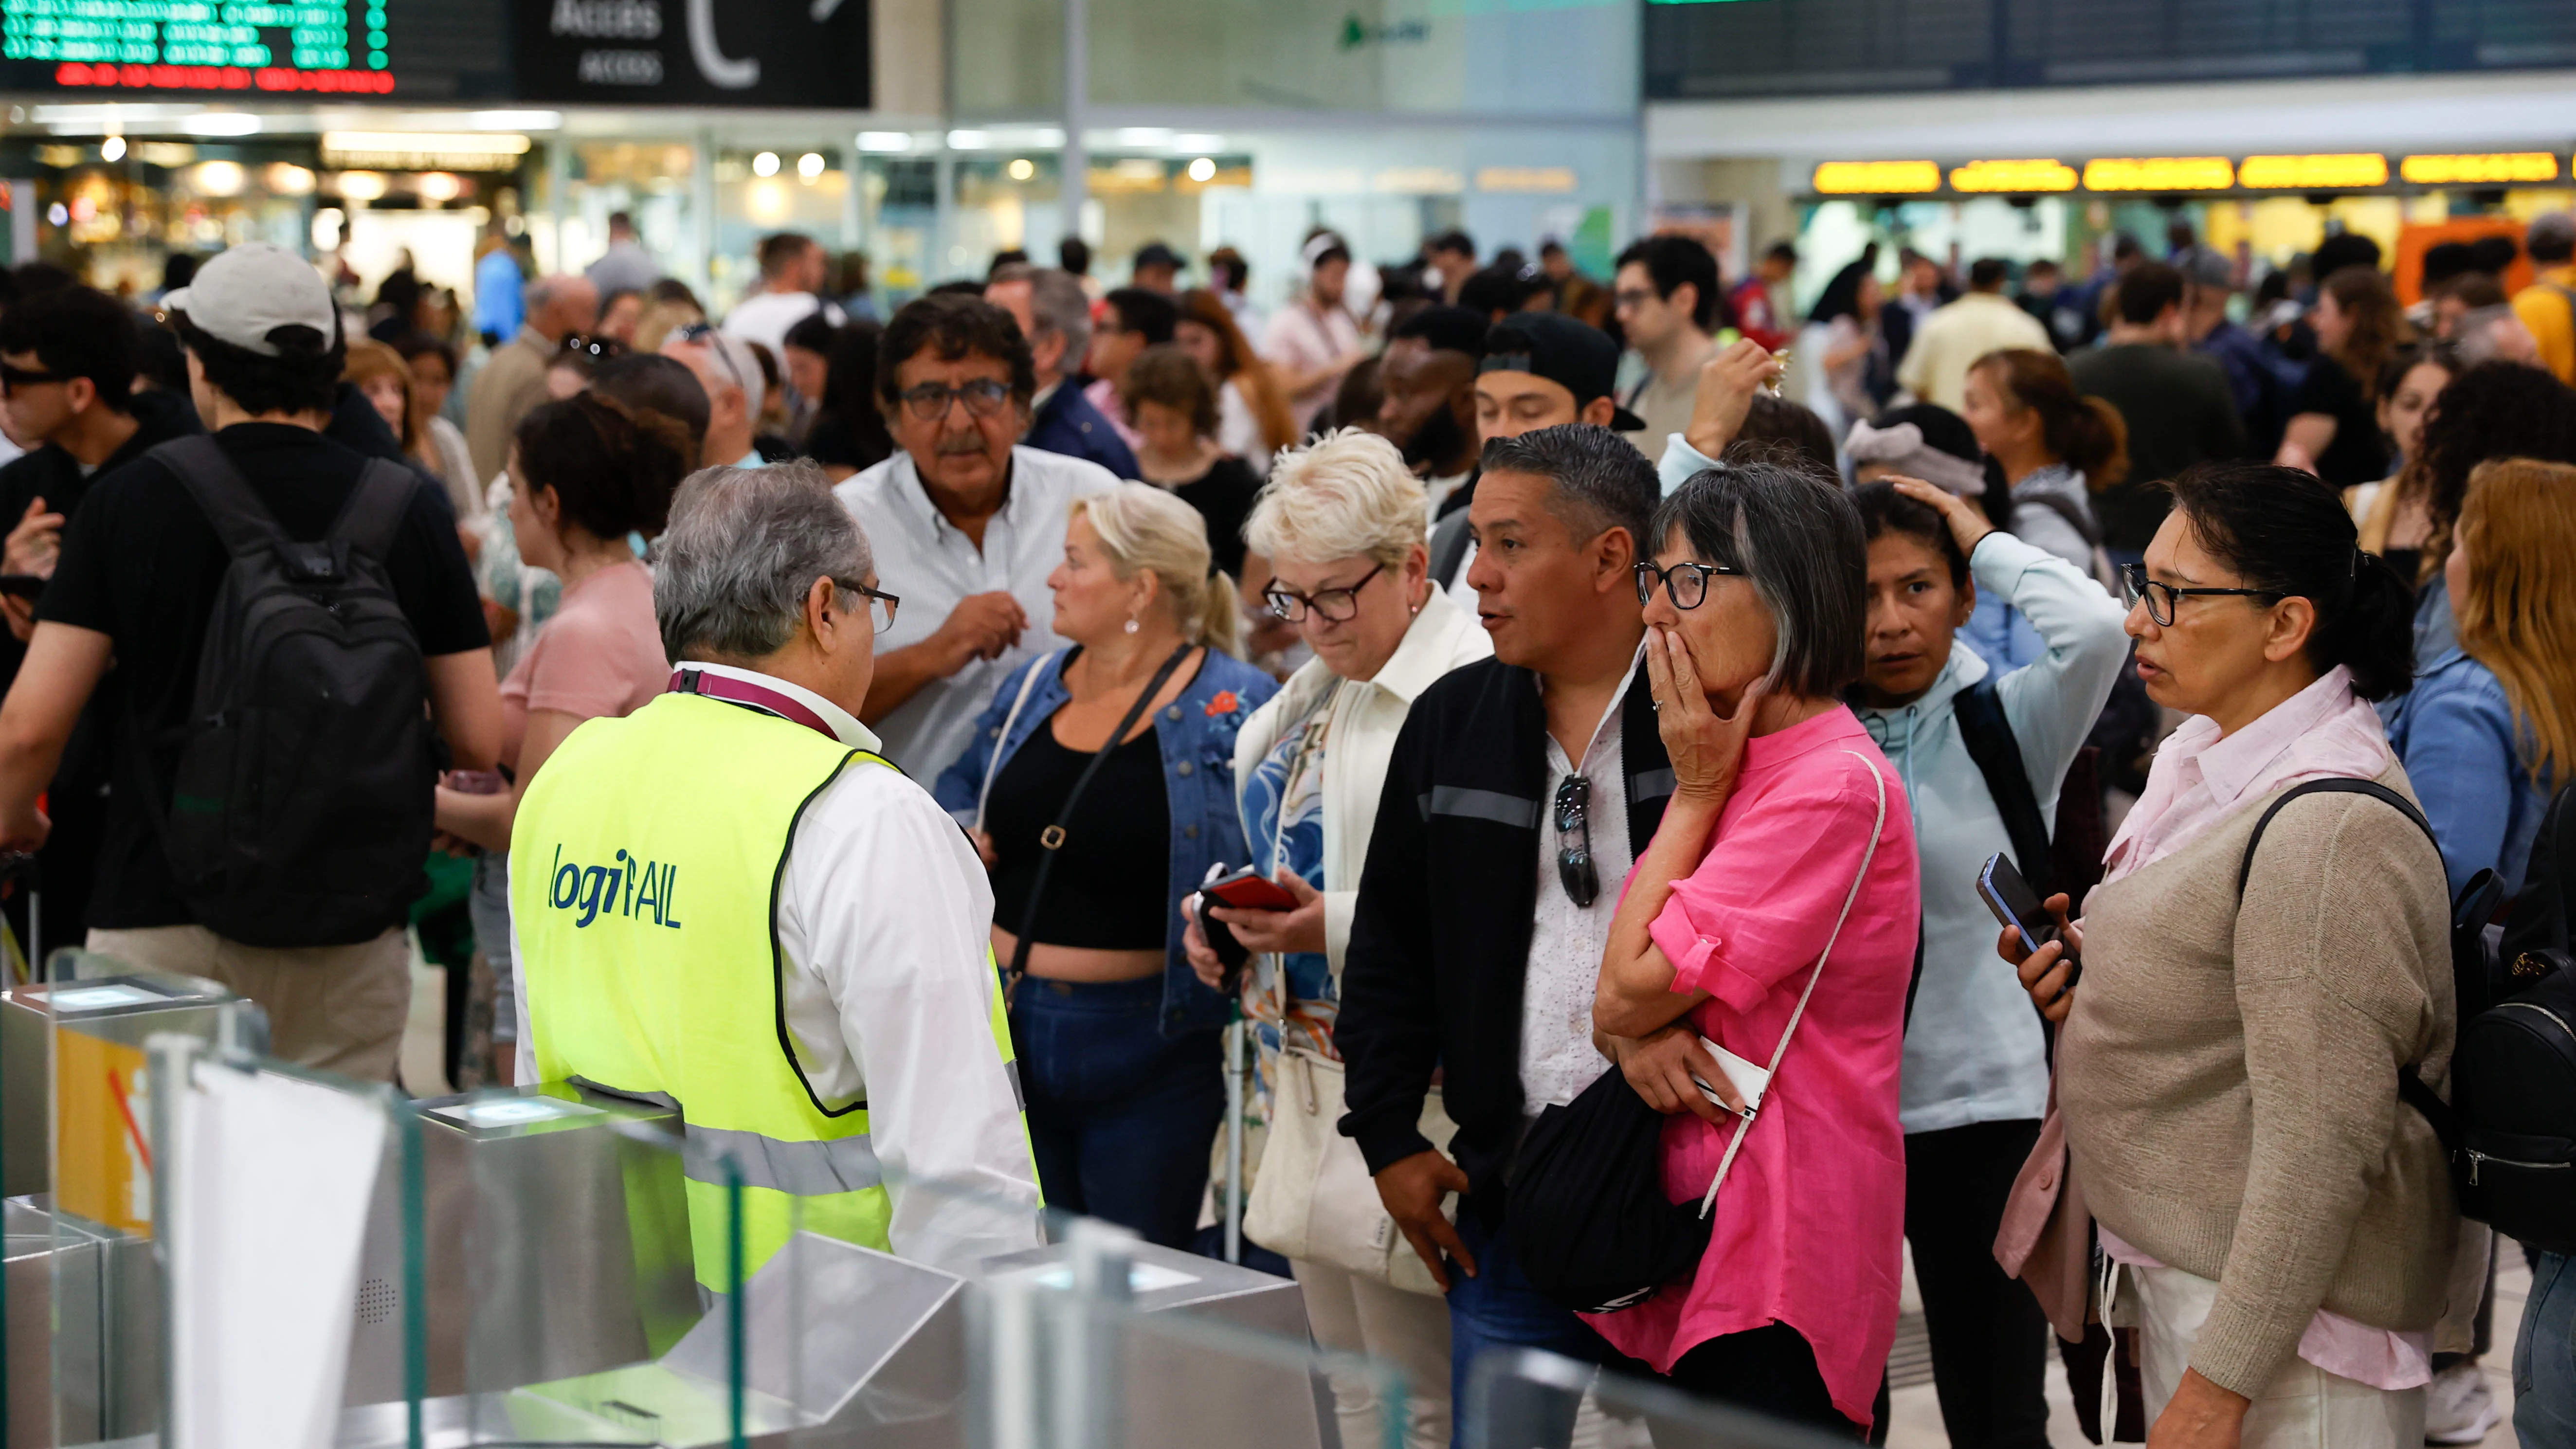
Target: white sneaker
[{"x": 2459, "y": 1408}]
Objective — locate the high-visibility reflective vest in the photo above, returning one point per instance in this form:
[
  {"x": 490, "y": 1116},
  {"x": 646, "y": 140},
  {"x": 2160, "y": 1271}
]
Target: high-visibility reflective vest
[{"x": 644, "y": 868}]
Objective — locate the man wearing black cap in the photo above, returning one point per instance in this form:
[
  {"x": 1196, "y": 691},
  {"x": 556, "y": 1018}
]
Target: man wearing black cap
[
  {"x": 1540, "y": 370},
  {"x": 1157, "y": 268},
  {"x": 142, "y": 580},
  {"x": 1429, "y": 411}
]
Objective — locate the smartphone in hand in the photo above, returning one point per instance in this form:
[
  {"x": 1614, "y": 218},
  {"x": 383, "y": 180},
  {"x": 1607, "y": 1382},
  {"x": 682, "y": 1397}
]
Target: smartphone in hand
[
  {"x": 2015, "y": 904},
  {"x": 1243, "y": 890}
]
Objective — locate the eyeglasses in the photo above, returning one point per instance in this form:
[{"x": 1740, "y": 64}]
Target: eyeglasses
[
  {"x": 881, "y": 606},
  {"x": 1333, "y": 606},
  {"x": 2135, "y": 585},
  {"x": 1686, "y": 584},
  {"x": 17, "y": 377},
  {"x": 597, "y": 349},
  {"x": 704, "y": 334},
  {"x": 1574, "y": 868},
  {"x": 931, "y": 400},
  {"x": 1630, "y": 297}
]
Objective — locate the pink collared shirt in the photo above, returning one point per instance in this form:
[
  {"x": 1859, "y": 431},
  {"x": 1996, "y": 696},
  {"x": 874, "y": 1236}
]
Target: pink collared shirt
[
  {"x": 2198, "y": 780},
  {"x": 1809, "y": 1227}
]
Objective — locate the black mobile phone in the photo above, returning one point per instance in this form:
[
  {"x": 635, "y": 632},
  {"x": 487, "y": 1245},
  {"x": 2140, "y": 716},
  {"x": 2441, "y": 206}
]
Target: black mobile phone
[
  {"x": 25, "y": 586},
  {"x": 2014, "y": 903}
]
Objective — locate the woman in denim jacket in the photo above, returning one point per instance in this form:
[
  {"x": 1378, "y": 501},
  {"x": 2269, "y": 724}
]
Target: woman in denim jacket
[
  {"x": 1117, "y": 1037},
  {"x": 2486, "y": 731}
]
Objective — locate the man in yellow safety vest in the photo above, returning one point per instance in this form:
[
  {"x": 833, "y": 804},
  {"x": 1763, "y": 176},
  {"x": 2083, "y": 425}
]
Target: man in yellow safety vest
[{"x": 730, "y": 902}]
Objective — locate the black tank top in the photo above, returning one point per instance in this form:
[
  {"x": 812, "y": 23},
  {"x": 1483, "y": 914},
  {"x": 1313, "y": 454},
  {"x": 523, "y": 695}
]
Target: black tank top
[{"x": 1111, "y": 886}]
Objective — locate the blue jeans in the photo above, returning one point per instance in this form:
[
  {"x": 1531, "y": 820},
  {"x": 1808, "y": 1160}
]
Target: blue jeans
[
  {"x": 1122, "y": 1118},
  {"x": 1498, "y": 1309},
  {"x": 2544, "y": 1358}
]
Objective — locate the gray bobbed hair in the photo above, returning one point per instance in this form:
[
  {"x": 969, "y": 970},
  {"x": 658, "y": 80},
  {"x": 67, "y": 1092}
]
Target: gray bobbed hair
[
  {"x": 1795, "y": 534},
  {"x": 744, "y": 545}
]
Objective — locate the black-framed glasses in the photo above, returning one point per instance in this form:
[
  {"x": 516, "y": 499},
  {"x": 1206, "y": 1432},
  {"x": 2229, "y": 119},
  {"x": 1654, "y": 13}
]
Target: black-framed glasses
[
  {"x": 1333, "y": 606},
  {"x": 881, "y": 605},
  {"x": 1686, "y": 584},
  {"x": 2160, "y": 597},
  {"x": 1574, "y": 868},
  {"x": 931, "y": 400},
  {"x": 17, "y": 377}
]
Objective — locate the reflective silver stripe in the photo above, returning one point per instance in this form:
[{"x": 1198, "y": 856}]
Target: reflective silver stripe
[
  {"x": 1502, "y": 809},
  {"x": 807, "y": 1169},
  {"x": 1019, "y": 1097},
  {"x": 1651, "y": 785}
]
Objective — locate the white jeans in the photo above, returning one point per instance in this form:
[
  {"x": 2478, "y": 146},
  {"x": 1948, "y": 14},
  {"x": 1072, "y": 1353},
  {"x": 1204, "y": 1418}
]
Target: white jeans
[
  {"x": 1409, "y": 1330},
  {"x": 2303, "y": 1407}
]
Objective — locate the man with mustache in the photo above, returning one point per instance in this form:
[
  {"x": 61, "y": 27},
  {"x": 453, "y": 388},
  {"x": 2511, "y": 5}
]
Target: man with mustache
[{"x": 967, "y": 523}]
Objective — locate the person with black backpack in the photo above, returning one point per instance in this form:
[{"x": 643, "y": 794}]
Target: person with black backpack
[
  {"x": 2265, "y": 994},
  {"x": 287, "y": 619},
  {"x": 1983, "y": 750}
]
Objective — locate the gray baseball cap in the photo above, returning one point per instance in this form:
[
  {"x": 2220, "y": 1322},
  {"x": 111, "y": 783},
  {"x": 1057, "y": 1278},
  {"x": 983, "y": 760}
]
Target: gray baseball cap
[{"x": 247, "y": 293}]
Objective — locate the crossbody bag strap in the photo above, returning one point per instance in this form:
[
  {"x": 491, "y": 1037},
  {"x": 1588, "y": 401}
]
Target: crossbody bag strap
[
  {"x": 1744, "y": 1124},
  {"x": 993, "y": 761},
  {"x": 1052, "y": 840}
]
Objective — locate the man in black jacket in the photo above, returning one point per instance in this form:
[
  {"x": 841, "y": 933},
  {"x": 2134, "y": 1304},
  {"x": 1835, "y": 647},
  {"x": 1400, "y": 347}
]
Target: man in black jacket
[
  {"x": 1520, "y": 791},
  {"x": 67, "y": 364}
]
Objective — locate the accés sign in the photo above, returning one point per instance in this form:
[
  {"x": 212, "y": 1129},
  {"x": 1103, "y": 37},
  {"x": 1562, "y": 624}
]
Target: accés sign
[{"x": 792, "y": 53}]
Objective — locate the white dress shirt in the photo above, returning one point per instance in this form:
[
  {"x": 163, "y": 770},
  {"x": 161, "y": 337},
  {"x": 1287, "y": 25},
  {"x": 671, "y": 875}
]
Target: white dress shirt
[
  {"x": 924, "y": 560},
  {"x": 1567, "y": 941},
  {"x": 885, "y": 918}
]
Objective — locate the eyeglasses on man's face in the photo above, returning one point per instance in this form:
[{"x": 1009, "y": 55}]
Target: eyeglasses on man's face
[
  {"x": 2161, "y": 598},
  {"x": 930, "y": 401},
  {"x": 13, "y": 378},
  {"x": 881, "y": 605},
  {"x": 1686, "y": 584},
  {"x": 1333, "y": 606}
]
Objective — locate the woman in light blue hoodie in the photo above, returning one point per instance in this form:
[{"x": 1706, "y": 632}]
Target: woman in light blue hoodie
[{"x": 1976, "y": 1072}]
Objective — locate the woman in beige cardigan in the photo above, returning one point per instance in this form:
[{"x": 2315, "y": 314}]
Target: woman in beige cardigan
[
  {"x": 1341, "y": 523},
  {"x": 2276, "y": 1223}
]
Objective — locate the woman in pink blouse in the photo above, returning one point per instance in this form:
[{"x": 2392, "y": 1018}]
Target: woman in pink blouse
[{"x": 1787, "y": 830}]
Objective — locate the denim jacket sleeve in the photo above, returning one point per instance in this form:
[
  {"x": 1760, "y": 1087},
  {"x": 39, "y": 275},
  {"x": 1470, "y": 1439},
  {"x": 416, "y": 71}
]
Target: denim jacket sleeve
[
  {"x": 1198, "y": 733},
  {"x": 961, "y": 786}
]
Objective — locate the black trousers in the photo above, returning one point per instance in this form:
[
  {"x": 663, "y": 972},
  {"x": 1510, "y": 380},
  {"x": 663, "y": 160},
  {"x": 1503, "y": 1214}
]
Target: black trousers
[
  {"x": 1768, "y": 1370},
  {"x": 1989, "y": 1338}
]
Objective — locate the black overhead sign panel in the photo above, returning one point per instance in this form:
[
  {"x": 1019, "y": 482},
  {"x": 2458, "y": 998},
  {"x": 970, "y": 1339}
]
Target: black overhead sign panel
[{"x": 792, "y": 53}]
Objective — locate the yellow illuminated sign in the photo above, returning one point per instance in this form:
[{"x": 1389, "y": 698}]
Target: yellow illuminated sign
[
  {"x": 1849, "y": 178},
  {"x": 2159, "y": 173},
  {"x": 2471, "y": 170},
  {"x": 2308, "y": 172},
  {"x": 2013, "y": 176}
]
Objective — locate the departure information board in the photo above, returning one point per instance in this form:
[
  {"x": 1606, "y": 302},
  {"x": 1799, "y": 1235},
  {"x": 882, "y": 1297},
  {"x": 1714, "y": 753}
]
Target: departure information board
[
  {"x": 1748, "y": 48},
  {"x": 196, "y": 45}
]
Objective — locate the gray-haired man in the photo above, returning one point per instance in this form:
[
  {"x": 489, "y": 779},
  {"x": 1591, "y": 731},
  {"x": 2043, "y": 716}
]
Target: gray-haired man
[
  {"x": 729, "y": 898},
  {"x": 1054, "y": 313},
  {"x": 514, "y": 380}
]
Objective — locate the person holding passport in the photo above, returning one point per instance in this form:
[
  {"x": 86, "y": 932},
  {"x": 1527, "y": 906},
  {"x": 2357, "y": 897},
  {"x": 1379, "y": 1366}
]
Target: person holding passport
[{"x": 1341, "y": 523}]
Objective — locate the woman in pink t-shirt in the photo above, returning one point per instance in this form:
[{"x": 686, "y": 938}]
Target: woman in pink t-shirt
[
  {"x": 1787, "y": 832},
  {"x": 587, "y": 475}
]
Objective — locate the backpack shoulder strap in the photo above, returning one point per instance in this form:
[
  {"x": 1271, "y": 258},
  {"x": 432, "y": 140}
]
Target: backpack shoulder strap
[
  {"x": 2076, "y": 518},
  {"x": 376, "y": 508},
  {"x": 1988, "y": 736},
  {"x": 2338, "y": 785},
  {"x": 240, "y": 519}
]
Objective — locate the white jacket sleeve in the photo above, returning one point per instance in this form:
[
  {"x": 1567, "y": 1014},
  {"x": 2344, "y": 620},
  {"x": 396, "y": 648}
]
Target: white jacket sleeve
[
  {"x": 1680, "y": 463},
  {"x": 885, "y": 918},
  {"x": 2052, "y": 701}
]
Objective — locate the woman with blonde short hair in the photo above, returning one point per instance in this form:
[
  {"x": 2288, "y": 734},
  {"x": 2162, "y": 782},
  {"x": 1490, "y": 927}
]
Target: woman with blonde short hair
[
  {"x": 1117, "y": 1038},
  {"x": 1341, "y": 523}
]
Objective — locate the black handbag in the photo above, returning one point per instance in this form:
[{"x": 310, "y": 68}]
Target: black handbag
[{"x": 1585, "y": 1209}]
